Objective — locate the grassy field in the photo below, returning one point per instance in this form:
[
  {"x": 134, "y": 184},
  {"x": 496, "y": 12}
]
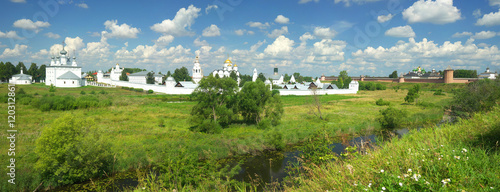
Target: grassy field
[{"x": 133, "y": 124}]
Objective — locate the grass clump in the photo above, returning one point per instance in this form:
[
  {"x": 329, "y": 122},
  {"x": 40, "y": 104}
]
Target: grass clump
[
  {"x": 381, "y": 102},
  {"x": 391, "y": 118}
]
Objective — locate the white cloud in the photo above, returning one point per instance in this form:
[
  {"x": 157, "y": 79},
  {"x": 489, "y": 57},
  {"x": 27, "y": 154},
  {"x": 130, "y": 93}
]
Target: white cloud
[
  {"x": 328, "y": 47},
  {"x": 120, "y": 31},
  {"x": 18, "y": 1},
  {"x": 384, "y": 18},
  {"x": 359, "y": 2},
  {"x": 307, "y": 1},
  {"x": 211, "y": 31},
  {"x": 52, "y": 35},
  {"x": 258, "y": 25},
  {"x": 10, "y": 34},
  {"x": 477, "y": 13},
  {"x": 209, "y": 7},
  {"x": 164, "y": 40},
  {"x": 199, "y": 43},
  {"x": 494, "y": 2},
  {"x": 282, "y": 19},
  {"x": 83, "y": 5},
  {"x": 94, "y": 34},
  {"x": 278, "y": 32},
  {"x": 250, "y": 32},
  {"x": 27, "y": 24},
  {"x": 483, "y": 45},
  {"x": 177, "y": 26},
  {"x": 428, "y": 11},
  {"x": 281, "y": 46},
  {"x": 254, "y": 47},
  {"x": 489, "y": 19},
  {"x": 484, "y": 35},
  {"x": 428, "y": 52},
  {"x": 401, "y": 31},
  {"x": 306, "y": 36},
  {"x": 240, "y": 32},
  {"x": 463, "y": 34},
  {"x": 18, "y": 51},
  {"x": 324, "y": 32}
]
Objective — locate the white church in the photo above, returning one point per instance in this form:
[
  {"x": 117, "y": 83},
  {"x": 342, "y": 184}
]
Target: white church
[
  {"x": 63, "y": 72},
  {"x": 21, "y": 79},
  {"x": 227, "y": 69}
]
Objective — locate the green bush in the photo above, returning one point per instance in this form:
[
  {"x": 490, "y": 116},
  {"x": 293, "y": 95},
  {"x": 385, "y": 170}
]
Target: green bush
[
  {"x": 92, "y": 92},
  {"x": 207, "y": 126},
  {"x": 391, "y": 118},
  {"x": 102, "y": 92},
  {"x": 439, "y": 92},
  {"x": 139, "y": 90},
  {"x": 274, "y": 138},
  {"x": 381, "y": 102},
  {"x": 52, "y": 88},
  {"x": 150, "y": 91},
  {"x": 476, "y": 97},
  {"x": 264, "y": 123},
  {"x": 82, "y": 93},
  {"x": 72, "y": 150}
]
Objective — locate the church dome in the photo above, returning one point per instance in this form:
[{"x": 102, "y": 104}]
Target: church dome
[
  {"x": 63, "y": 52},
  {"x": 228, "y": 61}
]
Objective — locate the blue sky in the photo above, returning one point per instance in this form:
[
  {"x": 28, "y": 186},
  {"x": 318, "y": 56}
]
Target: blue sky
[{"x": 313, "y": 37}]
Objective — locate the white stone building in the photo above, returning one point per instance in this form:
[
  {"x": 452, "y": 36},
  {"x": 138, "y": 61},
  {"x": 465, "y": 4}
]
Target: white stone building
[
  {"x": 140, "y": 77},
  {"x": 115, "y": 73},
  {"x": 21, "y": 79},
  {"x": 227, "y": 69},
  {"x": 61, "y": 73},
  {"x": 488, "y": 74},
  {"x": 197, "y": 71}
]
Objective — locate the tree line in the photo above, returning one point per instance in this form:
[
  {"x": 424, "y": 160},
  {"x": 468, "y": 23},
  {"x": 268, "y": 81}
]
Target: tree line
[{"x": 7, "y": 70}]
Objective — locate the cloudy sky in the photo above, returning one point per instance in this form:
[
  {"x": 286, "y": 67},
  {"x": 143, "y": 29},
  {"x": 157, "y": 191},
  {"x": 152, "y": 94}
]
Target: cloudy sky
[{"x": 313, "y": 37}]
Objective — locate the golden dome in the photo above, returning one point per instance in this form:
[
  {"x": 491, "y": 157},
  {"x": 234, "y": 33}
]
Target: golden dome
[
  {"x": 228, "y": 61},
  {"x": 235, "y": 65}
]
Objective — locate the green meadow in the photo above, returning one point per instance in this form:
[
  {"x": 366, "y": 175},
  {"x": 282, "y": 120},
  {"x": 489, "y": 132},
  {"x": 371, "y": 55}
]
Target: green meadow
[{"x": 147, "y": 130}]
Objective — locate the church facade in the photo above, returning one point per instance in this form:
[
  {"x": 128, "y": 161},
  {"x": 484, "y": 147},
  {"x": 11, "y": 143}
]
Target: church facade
[
  {"x": 63, "y": 72},
  {"x": 227, "y": 69}
]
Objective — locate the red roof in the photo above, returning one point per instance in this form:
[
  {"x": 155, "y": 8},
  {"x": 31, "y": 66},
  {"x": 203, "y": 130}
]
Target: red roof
[{"x": 94, "y": 73}]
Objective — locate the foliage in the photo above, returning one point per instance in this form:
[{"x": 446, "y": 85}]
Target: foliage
[
  {"x": 82, "y": 92},
  {"x": 317, "y": 150},
  {"x": 381, "y": 102},
  {"x": 478, "y": 96},
  {"x": 261, "y": 77},
  {"x": 394, "y": 74},
  {"x": 274, "y": 138},
  {"x": 64, "y": 103},
  {"x": 315, "y": 103},
  {"x": 413, "y": 94},
  {"x": 439, "y": 92},
  {"x": 391, "y": 118},
  {"x": 72, "y": 150},
  {"x": 123, "y": 76},
  {"x": 150, "y": 91},
  {"x": 256, "y": 102},
  {"x": 464, "y": 73},
  {"x": 343, "y": 80},
  {"x": 370, "y": 86},
  {"x": 150, "y": 78},
  {"x": 181, "y": 74},
  {"x": 131, "y": 70},
  {"x": 52, "y": 88},
  {"x": 396, "y": 88},
  {"x": 215, "y": 101}
]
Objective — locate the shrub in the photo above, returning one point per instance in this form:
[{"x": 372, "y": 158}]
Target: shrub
[
  {"x": 391, "y": 118},
  {"x": 150, "y": 91},
  {"x": 476, "y": 97},
  {"x": 82, "y": 92},
  {"x": 36, "y": 94},
  {"x": 52, "y": 88},
  {"x": 102, "y": 92},
  {"x": 380, "y": 86},
  {"x": 275, "y": 139},
  {"x": 92, "y": 92},
  {"x": 161, "y": 122},
  {"x": 125, "y": 88},
  {"x": 381, "y": 102},
  {"x": 139, "y": 90},
  {"x": 207, "y": 126},
  {"x": 439, "y": 92},
  {"x": 72, "y": 150},
  {"x": 264, "y": 123}
]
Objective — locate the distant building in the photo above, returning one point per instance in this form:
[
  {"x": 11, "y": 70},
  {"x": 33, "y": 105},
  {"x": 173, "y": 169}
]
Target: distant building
[
  {"x": 227, "y": 69},
  {"x": 115, "y": 73},
  {"x": 276, "y": 78},
  {"x": 420, "y": 73},
  {"x": 197, "y": 71},
  {"x": 61, "y": 73},
  {"x": 140, "y": 77},
  {"x": 20, "y": 79},
  {"x": 488, "y": 74}
]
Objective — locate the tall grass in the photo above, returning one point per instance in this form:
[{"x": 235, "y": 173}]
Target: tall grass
[{"x": 458, "y": 157}]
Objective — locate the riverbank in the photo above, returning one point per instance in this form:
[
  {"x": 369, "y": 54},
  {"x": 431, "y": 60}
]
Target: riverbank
[{"x": 459, "y": 157}]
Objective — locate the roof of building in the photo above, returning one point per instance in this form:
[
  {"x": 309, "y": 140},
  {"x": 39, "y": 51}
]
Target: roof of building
[
  {"x": 69, "y": 75},
  {"x": 142, "y": 73},
  {"x": 24, "y": 77},
  {"x": 431, "y": 74}
]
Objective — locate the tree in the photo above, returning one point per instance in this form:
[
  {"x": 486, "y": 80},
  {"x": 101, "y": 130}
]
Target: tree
[
  {"x": 150, "y": 79},
  {"x": 262, "y": 77},
  {"x": 181, "y": 74},
  {"x": 123, "y": 76},
  {"x": 41, "y": 72},
  {"x": 394, "y": 74},
  {"x": 169, "y": 74},
  {"x": 286, "y": 78},
  {"x": 72, "y": 150},
  {"x": 216, "y": 103},
  {"x": 244, "y": 79},
  {"x": 33, "y": 71},
  {"x": 10, "y": 70},
  {"x": 463, "y": 73},
  {"x": 315, "y": 103},
  {"x": 233, "y": 76},
  {"x": 20, "y": 66},
  {"x": 413, "y": 94},
  {"x": 391, "y": 118},
  {"x": 3, "y": 72},
  {"x": 340, "y": 83},
  {"x": 257, "y": 103}
]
